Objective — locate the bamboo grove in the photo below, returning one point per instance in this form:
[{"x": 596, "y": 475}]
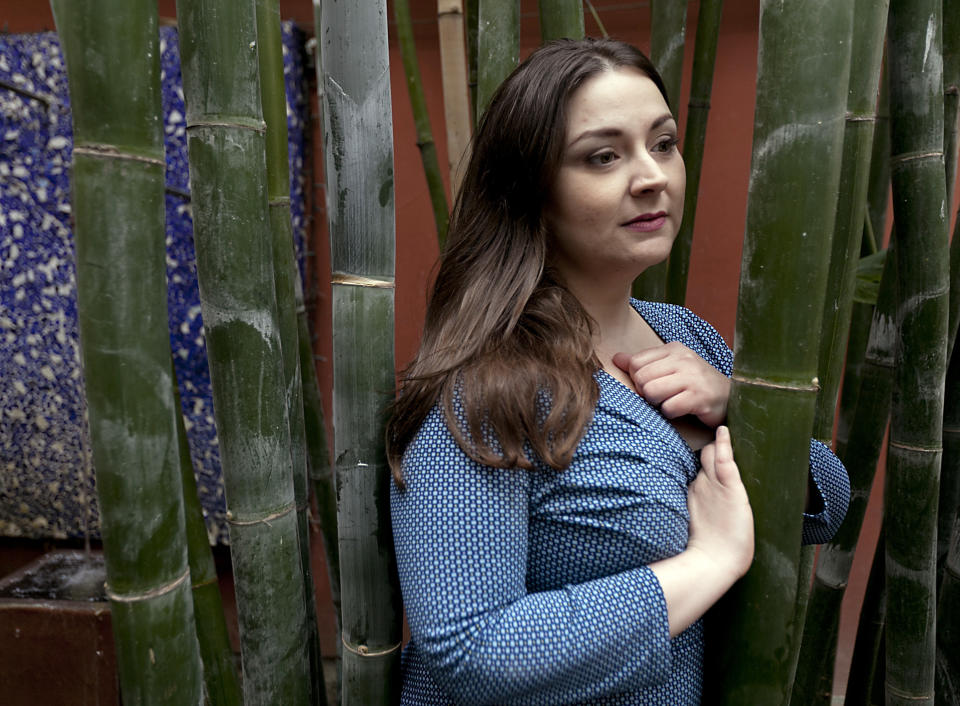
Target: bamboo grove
[{"x": 827, "y": 319}]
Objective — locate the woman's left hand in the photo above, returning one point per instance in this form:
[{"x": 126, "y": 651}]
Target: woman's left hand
[{"x": 678, "y": 381}]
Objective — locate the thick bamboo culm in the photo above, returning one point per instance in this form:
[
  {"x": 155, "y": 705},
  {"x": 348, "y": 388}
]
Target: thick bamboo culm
[
  {"x": 421, "y": 118},
  {"x": 356, "y": 121},
  {"x": 227, "y": 152},
  {"x": 498, "y": 46},
  {"x": 814, "y": 680},
  {"x": 219, "y": 670},
  {"x": 914, "y": 453},
  {"x": 561, "y": 18},
  {"x": 792, "y": 203},
  {"x": 112, "y": 54},
  {"x": 274, "y": 102},
  {"x": 456, "y": 95},
  {"x": 694, "y": 136},
  {"x": 668, "y": 19}
]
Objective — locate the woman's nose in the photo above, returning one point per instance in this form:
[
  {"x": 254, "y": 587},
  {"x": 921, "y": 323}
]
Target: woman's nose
[{"x": 648, "y": 175}]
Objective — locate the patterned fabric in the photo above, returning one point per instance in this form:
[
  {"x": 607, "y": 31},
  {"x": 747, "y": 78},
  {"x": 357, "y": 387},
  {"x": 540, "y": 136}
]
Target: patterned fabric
[
  {"x": 46, "y": 484},
  {"x": 533, "y": 587}
]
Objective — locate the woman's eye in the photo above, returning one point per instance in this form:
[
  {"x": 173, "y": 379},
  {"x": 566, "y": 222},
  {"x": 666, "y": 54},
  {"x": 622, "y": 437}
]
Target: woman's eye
[
  {"x": 602, "y": 158},
  {"x": 667, "y": 144}
]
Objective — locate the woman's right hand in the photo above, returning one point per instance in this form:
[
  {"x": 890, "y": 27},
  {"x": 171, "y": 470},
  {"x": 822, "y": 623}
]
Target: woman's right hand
[{"x": 720, "y": 545}]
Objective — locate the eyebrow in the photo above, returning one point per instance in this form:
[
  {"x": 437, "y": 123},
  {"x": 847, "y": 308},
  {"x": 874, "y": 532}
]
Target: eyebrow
[{"x": 616, "y": 132}]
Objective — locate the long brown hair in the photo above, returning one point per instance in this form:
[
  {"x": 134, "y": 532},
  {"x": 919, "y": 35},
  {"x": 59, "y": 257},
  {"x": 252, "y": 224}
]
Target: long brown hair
[{"x": 507, "y": 350}]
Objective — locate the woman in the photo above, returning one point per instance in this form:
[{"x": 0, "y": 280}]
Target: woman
[{"x": 566, "y": 504}]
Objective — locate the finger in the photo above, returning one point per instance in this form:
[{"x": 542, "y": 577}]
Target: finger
[
  {"x": 662, "y": 390},
  {"x": 654, "y": 369},
  {"x": 628, "y": 361},
  {"x": 726, "y": 468}
]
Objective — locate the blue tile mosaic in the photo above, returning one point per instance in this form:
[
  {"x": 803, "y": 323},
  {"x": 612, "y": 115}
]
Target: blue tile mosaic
[{"x": 46, "y": 484}]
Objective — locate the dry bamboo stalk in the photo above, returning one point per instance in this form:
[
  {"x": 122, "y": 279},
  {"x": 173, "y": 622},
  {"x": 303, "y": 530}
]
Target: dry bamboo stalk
[{"x": 456, "y": 103}]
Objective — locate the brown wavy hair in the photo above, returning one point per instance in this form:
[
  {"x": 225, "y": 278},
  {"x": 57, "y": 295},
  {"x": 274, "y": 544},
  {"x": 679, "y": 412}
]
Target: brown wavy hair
[{"x": 507, "y": 350}]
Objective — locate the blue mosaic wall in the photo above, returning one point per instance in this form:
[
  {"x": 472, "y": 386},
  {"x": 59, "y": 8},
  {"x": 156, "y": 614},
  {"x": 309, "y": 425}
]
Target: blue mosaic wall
[{"x": 46, "y": 483}]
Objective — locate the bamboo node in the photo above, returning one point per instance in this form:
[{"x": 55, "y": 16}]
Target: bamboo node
[
  {"x": 914, "y": 156},
  {"x": 257, "y": 126},
  {"x": 285, "y": 510},
  {"x": 147, "y": 595},
  {"x": 867, "y": 118},
  {"x": 814, "y": 385},
  {"x": 907, "y": 695},
  {"x": 364, "y": 651},
  {"x": 111, "y": 152},
  {"x": 279, "y": 201},
  {"x": 359, "y": 281},
  {"x": 918, "y": 449}
]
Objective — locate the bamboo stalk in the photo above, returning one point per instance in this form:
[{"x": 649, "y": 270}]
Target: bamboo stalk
[
  {"x": 951, "y": 113},
  {"x": 456, "y": 98},
  {"x": 794, "y": 176},
  {"x": 473, "y": 27},
  {"x": 421, "y": 118},
  {"x": 867, "y": 663},
  {"x": 226, "y": 145},
  {"x": 814, "y": 682},
  {"x": 285, "y": 274},
  {"x": 701, "y": 85},
  {"x": 498, "y": 46},
  {"x": 948, "y": 625},
  {"x": 865, "y": 62},
  {"x": 668, "y": 21},
  {"x": 219, "y": 668},
  {"x": 356, "y": 122},
  {"x": 914, "y": 453},
  {"x": 561, "y": 18},
  {"x": 113, "y": 68}
]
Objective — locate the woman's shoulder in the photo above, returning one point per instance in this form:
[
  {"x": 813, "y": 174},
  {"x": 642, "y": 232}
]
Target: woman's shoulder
[{"x": 673, "y": 322}]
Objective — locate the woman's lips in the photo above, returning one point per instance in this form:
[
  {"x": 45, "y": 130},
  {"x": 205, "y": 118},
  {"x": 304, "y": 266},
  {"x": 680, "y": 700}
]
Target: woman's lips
[{"x": 647, "y": 222}]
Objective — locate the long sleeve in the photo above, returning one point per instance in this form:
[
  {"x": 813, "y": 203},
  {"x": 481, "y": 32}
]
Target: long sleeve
[
  {"x": 832, "y": 482},
  {"x": 461, "y": 539}
]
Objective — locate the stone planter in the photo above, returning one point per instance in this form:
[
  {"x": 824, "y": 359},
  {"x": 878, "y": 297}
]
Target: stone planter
[{"x": 56, "y": 644}]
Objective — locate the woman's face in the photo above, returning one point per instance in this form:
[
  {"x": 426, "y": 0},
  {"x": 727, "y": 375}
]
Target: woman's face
[{"x": 617, "y": 201}]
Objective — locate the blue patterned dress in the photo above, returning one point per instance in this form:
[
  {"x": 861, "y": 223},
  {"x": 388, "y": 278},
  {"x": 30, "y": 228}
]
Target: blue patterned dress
[{"x": 532, "y": 587}]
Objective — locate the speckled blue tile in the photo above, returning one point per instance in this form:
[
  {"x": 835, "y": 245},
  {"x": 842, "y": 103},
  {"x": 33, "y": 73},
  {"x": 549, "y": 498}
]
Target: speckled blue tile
[{"x": 46, "y": 487}]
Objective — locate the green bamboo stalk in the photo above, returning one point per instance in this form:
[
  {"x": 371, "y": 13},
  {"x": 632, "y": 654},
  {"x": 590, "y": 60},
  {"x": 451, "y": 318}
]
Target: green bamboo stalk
[
  {"x": 596, "y": 18},
  {"x": 321, "y": 470},
  {"x": 814, "y": 682},
  {"x": 950, "y": 469},
  {"x": 865, "y": 62},
  {"x": 421, "y": 118},
  {"x": 701, "y": 85},
  {"x": 561, "y": 18},
  {"x": 226, "y": 144},
  {"x": 948, "y": 626},
  {"x": 274, "y": 104},
  {"x": 878, "y": 192},
  {"x": 219, "y": 667},
  {"x": 456, "y": 98},
  {"x": 668, "y": 21},
  {"x": 867, "y": 663},
  {"x": 951, "y": 109},
  {"x": 792, "y": 203},
  {"x": 113, "y": 68},
  {"x": 473, "y": 27},
  {"x": 914, "y": 452},
  {"x": 357, "y": 122},
  {"x": 498, "y": 46}
]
